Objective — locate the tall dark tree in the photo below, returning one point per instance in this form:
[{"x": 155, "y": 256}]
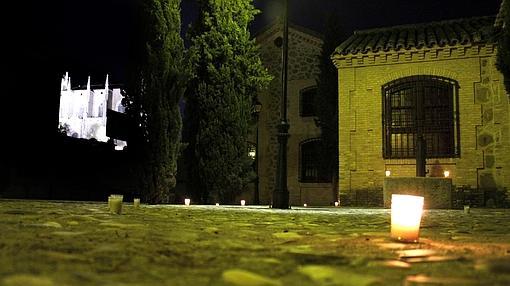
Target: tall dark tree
[
  {"x": 326, "y": 101},
  {"x": 503, "y": 59},
  {"x": 156, "y": 82},
  {"x": 227, "y": 75}
]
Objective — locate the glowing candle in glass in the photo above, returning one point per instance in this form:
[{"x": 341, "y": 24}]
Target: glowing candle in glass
[
  {"x": 337, "y": 204},
  {"x": 217, "y": 204},
  {"x": 446, "y": 174},
  {"x": 136, "y": 202},
  {"x": 387, "y": 173},
  {"x": 243, "y": 202},
  {"x": 305, "y": 205},
  {"x": 406, "y": 211},
  {"x": 187, "y": 202}
]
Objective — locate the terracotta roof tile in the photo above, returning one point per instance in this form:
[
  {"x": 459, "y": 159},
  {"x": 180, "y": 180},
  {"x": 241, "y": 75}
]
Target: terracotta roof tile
[{"x": 443, "y": 33}]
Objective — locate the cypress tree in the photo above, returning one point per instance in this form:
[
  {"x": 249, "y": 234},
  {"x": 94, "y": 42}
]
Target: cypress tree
[
  {"x": 227, "y": 73},
  {"x": 327, "y": 98},
  {"x": 155, "y": 83}
]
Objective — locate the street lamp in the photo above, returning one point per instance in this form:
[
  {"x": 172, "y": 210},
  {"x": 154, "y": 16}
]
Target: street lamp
[
  {"x": 281, "y": 193},
  {"x": 256, "y": 111}
]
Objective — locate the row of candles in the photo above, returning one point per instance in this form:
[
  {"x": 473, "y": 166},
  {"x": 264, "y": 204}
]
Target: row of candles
[
  {"x": 406, "y": 213},
  {"x": 446, "y": 173}
]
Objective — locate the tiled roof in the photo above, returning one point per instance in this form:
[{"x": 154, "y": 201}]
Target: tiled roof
[{"x": 425, "y": 35}]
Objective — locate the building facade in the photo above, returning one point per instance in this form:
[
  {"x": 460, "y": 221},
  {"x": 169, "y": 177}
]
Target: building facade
[
  {"x": 438, "y": 80},
  {"x": 83, "y": 111},
  {"x": 305, "y": 182}
]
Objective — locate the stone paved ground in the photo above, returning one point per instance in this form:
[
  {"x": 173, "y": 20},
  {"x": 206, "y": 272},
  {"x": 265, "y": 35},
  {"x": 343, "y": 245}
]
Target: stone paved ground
[{"x": 81, "y": 243}]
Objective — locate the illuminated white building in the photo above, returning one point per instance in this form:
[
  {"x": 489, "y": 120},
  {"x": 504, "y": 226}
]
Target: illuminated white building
[{"x": 83, "y": 111}]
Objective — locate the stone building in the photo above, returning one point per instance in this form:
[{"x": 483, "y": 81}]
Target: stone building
[
  {"x": 83, "y": 110},
  {"x": 435, "y": 78},
  {"x": 306, "y": 184}
]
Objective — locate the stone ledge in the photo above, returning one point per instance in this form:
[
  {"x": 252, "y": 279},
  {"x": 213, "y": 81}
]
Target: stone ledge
[{"x": 436, "y": 191}]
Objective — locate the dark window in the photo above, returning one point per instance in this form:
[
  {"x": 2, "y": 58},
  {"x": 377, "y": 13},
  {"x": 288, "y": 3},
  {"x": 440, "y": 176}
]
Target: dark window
[
  {"x": 307, "y": 102},
  {"x": 420, "y": 105},
  {"x": 311, "y": 171}
]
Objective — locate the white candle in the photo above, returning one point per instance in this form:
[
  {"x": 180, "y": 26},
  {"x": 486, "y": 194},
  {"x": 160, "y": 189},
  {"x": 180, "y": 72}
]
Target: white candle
[
  {"x": 446, "y": 174},
  {"x": 387, "y": 173},
  {"x": 217, "y": 204},
  {"x": 305, "y": 205},
  {"x": 336, "y": 204},
  {"x": 243, "y": 202},
  {"x": 406, "y": 214},
  {"x": 136, "y": 202},
  {"x": 187, "y": 202}
]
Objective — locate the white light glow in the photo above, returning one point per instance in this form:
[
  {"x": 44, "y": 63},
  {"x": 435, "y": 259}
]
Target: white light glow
[
  {"x": 406, "y": 212},
  {"x": 337, "y": 204},
  {"x": 446, "y": 174},
  {"x": 243, "y": 202},
  {"x": 305, "y": 205},
  {"x": 187, "y": 202},
  {"x": 217, "y": 204},
  {"x": 387, "y": 173}
]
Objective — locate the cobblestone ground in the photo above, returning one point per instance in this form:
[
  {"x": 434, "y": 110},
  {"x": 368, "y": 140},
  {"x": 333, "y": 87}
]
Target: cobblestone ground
[{"x": 81, "y": 243}]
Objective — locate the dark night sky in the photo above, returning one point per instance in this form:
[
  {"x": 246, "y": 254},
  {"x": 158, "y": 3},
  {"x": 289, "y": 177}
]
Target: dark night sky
[{"x": 90, "y": 36}]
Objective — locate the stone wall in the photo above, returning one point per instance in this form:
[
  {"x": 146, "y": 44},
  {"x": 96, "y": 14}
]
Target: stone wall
[
  {"x": 484, "y": 160},
  {"x": 304, "y": 50},
  {"x": 437, "y": 192}
]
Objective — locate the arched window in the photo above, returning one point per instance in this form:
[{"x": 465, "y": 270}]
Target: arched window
[
  {"x": 307, "y": 101},
  {"x": 426, "y": 105},
  {"x": 311, "y": 169}
]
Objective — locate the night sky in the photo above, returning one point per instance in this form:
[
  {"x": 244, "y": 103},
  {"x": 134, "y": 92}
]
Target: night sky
[
  {"x": 43, "y": 39},
  {"x": 90, "y": 36}
]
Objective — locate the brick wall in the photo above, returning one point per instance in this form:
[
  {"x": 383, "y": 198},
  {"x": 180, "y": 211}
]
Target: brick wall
[{"x": 484, "y": 160}]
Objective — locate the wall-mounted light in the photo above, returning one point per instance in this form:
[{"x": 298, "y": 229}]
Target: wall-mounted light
[
  {"x": 387, "y": 173},
  {"x": 446, "y": 173}
]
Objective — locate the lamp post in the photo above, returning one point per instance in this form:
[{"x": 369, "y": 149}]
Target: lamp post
[
  {"x": 256, "y": 197},
  {"x": 281, "y": 193}
]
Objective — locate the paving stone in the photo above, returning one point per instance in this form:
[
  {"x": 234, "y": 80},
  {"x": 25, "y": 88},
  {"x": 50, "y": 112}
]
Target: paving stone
[{"x": 81, "y": 243}]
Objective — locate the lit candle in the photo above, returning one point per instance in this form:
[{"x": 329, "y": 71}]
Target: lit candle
[
  {"x": 305, "y": 205},
  {"x": 136, "y": 202},
  {"x": 187, "y": 202},
  {"x": 336, "y": 204},
  {"x": 446, "y": 174},
  {"x": 466, "y": 209},
  {"x": 243, "y": 202},
  {"x": 406, "y": 214},
  {"x": 217, "y": 204},
  {"x": 388, "y": 173}
]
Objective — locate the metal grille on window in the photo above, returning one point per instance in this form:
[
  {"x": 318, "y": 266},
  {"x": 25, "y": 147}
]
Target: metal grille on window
[
  {"x": 435, "y": 98},
  {"x": 311, "y": 170}
]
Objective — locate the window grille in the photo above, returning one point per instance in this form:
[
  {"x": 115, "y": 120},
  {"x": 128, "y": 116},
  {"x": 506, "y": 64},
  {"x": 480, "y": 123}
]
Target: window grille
[
  {"x": 311, "y": 169},
  {"x": 425, "y": 105}
]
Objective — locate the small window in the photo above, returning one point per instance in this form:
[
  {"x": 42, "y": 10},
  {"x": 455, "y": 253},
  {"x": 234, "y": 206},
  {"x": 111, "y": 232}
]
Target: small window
[
  {"x": 307, "y": 102},
  {"x": 311, "y": 169}
]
